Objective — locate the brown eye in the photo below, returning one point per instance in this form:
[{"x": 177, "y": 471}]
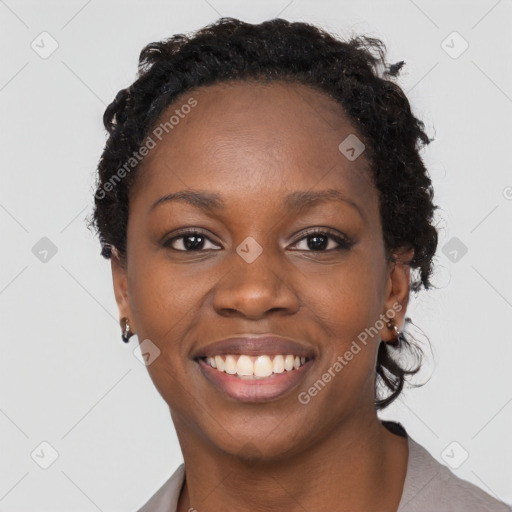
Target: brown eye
[
  {"x": 318, "y": 241},
  {"x": 189, "y": 241}
]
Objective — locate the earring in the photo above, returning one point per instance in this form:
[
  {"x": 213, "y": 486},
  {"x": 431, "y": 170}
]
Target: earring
[
  {"x": 397, "y": 342},
  {"x": 126, "y": 333}
]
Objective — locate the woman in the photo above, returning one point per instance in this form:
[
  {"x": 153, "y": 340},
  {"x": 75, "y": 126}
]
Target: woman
[{"x": 266, "y": 211}]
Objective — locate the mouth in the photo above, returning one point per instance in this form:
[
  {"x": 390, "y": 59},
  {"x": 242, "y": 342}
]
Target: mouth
[{"x": 255, "y": 369}]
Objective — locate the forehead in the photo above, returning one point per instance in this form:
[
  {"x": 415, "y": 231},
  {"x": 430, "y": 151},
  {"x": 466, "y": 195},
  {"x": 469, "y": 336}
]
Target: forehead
[{"x": 254, "y": 139}]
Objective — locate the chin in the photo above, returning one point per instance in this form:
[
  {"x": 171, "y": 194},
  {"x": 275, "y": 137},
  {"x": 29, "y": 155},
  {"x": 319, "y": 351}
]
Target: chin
[{"x": 258, "y": 445}]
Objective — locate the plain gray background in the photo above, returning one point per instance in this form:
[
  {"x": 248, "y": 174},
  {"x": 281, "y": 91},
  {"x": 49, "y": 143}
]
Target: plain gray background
[{"x": 67, "y": 379}]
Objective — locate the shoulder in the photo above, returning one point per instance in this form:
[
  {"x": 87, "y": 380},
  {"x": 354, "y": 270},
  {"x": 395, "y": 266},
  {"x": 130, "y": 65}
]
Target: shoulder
[
  {"x": 166, "y": 497},
  {"x": 429, "y": 485}
]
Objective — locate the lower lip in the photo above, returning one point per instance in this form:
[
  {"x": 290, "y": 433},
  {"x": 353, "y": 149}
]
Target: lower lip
[{"x": 260, "y": 389}]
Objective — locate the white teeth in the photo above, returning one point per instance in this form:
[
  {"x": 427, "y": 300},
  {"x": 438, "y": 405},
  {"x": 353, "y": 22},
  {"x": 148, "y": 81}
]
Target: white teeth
[
  {"x": 288, "y": 363},
  {"x": 230, "y": 365},
  {"x": 263, "y": 366},
  {"x": 279, "y": 364},
  {"x": 255, "y": 366},
  {"x": 244, "y": 366},
  {"x": 219, "y": 363}
]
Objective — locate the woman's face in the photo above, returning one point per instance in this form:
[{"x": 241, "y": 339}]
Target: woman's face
[{"x": 255, "y": 268}]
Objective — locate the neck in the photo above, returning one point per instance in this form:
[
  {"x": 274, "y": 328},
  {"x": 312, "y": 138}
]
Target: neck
[{"x": 359, "y": 466}]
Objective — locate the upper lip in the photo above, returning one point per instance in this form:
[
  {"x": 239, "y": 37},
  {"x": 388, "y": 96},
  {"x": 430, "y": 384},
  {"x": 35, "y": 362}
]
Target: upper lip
[{"x": 254, "y": 345}]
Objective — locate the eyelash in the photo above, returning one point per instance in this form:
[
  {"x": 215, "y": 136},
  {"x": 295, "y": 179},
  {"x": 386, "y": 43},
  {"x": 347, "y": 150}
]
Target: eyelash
[{"x": 344, "y": 244}]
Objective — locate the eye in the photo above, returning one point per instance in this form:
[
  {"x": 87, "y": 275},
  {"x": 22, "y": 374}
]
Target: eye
[
  {"x": 189, "y": 241},
  {"x": 318, "y": 241},
  {"x": 315, "y": 240}
]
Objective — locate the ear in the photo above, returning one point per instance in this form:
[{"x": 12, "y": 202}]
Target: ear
[
  {"x": 397, "y": 290},
  {"x": 120, "y": 281}
]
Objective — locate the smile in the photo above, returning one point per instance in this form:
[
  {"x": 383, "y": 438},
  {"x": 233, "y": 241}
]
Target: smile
[
  {"x": 254, "y": 367},
  {"x": 261, "y": 379}
]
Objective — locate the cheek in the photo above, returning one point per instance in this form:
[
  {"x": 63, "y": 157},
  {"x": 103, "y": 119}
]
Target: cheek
[
  {"x": 345, "y": 374},
  {"x": 165, "y": 305},
  {"x": 347, "y": 303},
  {"x": 347, "y": 299},
  {"x": 164, "y": 297}
]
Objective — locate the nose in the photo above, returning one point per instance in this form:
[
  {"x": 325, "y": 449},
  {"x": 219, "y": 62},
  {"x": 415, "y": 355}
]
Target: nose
[{"x": 253, "y": 290}]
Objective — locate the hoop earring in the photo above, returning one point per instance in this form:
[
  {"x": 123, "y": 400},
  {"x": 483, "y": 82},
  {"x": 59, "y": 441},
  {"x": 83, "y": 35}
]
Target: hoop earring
[
  {"x": 397, "y": 342},
  {"x": 126, "y": 333}
]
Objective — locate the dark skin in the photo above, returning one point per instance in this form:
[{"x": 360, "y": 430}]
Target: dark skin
[{"x": 253, "y": 144}]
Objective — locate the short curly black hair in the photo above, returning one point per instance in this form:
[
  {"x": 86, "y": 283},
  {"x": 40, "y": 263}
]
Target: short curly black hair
[{"x": 354, "y": 73}]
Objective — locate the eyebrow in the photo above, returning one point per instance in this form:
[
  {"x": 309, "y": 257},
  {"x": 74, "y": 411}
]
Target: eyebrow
[{"x": 302, "y": 199}]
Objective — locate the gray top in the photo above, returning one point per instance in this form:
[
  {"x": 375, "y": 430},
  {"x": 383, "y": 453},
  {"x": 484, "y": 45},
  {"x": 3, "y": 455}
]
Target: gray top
[{"x": 429, "y": 486}]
